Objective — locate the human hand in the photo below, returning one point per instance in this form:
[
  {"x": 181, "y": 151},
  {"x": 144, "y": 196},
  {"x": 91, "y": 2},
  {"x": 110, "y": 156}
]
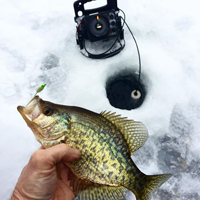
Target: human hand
[{"x": 39, "y": 181}]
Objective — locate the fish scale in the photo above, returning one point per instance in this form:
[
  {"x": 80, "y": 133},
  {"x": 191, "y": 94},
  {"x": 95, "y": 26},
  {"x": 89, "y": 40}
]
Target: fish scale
[
  {"x": 107, "y": 130},
  {"x": 100, "y": 155}
]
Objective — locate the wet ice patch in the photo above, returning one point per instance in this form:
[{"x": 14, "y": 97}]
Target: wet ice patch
[
  {"x": 176, "y": 154},
  {"x": 50, "y": 61}
]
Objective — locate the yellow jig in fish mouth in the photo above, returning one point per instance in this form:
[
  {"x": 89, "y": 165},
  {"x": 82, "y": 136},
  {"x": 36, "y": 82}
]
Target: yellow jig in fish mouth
[{"x": 106, "y": 142}]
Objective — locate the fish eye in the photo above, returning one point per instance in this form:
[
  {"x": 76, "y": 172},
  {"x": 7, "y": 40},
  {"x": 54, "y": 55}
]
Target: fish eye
[{"x": 48, "y": 111}]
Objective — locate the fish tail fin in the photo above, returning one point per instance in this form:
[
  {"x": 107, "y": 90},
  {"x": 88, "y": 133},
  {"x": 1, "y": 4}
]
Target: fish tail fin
[{"x": 148, "y": 185}]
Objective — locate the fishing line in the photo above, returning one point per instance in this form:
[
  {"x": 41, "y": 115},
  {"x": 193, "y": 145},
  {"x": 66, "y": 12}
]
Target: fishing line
[{"x": 137, "y": 47}]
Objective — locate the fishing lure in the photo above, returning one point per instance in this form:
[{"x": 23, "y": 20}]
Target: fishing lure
[{"x": 40, "y": 89}]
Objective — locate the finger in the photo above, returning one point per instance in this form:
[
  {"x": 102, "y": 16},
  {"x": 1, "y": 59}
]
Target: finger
[{"x": 62, "y": 152}]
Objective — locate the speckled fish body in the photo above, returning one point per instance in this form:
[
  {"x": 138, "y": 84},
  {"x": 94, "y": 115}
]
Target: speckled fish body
[{"x": 106, "y": 142}]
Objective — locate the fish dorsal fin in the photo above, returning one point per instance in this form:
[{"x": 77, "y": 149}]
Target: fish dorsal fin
[{"x": 135, "y": 133}]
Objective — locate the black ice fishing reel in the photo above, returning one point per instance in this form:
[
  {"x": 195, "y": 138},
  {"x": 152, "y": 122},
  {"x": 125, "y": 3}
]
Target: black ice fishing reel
[{"x": 99, "y": 24}]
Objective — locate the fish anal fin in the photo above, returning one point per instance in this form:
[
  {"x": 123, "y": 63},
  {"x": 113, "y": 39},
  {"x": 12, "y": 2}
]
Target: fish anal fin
[
  {"x": 134, "y": 133},
  {"x": 102, "y": 193}
]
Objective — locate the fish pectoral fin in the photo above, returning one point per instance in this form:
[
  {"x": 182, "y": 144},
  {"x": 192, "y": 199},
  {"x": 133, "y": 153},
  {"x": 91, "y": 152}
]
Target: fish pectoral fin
[
  {"x": 135, "y": 133},
  {"x": 102, "y": 193}
]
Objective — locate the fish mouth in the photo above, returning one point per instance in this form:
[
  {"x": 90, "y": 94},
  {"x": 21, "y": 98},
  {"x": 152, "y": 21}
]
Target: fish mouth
[{"x": 29, "y": 113}]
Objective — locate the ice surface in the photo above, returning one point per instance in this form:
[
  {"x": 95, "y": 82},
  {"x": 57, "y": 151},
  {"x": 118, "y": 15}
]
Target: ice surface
[{"x": 37, "y": 45}]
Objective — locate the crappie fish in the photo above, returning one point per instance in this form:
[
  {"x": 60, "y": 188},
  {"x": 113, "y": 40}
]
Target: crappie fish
[{"x": 106, "y": 141}]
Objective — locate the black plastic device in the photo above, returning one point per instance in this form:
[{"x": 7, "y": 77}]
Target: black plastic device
[{"x": 98, "y": 24}]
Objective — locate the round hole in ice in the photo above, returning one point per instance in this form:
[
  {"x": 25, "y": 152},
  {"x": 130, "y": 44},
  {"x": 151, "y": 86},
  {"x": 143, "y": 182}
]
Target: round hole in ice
[{"x": 124, "y": 92}]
